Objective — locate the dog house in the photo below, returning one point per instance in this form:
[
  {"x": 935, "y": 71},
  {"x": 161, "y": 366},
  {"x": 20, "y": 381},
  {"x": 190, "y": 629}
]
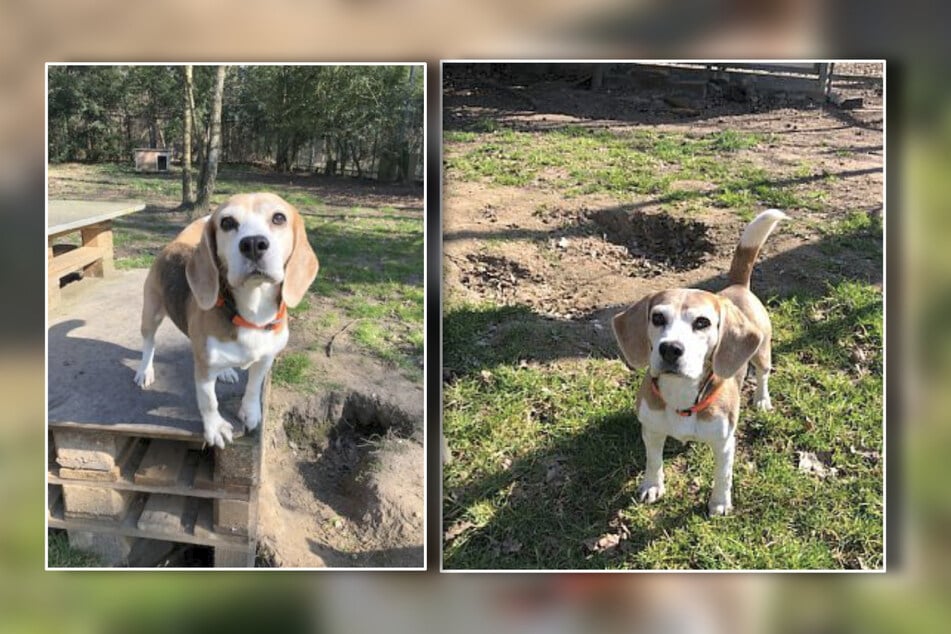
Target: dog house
[{"x": 152, "y": 159}]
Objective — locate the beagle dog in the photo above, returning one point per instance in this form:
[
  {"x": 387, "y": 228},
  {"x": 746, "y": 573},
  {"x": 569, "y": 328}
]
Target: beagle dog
[
  {"x": 226, "y": 281},
  {"x": 696, "y": 346}
]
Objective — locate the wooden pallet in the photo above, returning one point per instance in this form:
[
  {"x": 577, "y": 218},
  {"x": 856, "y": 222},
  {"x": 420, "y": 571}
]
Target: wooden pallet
[
  {"x": 174, "y": 497},
  {"x": 165, "y": 485}
]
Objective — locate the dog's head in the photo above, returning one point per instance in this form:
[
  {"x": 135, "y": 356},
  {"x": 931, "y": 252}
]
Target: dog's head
[
  {"x": 253, "y": 239},
  {"x": 684, "y": 332}
]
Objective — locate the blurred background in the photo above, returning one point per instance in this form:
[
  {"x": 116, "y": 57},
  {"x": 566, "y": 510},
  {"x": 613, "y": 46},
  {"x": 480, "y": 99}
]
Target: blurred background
[{"x": 910, "y": 597}]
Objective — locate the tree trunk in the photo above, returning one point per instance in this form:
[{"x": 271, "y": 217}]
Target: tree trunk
[
  {"x": 404, "y": 175},
  {"x": 341, "y": 157},
  {"x": 188, "y": 185},
  {"x": 356, "y": 159},
  {"x": 209, "y": 171}
]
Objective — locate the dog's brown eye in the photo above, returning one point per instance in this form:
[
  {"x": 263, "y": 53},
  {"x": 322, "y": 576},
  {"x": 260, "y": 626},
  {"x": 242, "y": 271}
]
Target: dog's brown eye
[
  {"x": 228, "y": 224},
  {"x": 701, "y": 323},
  {"x": 658, "y": 319},
  {"x": 278, "y": 218}
]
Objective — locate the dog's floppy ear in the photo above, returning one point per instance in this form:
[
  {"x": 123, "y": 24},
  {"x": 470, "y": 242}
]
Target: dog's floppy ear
[
  {"x": 630, "y": 330},
  {"x": 300, "y": 270},
  {"x": 202, "y": 268},
  {"x": 739, "y": 339}
]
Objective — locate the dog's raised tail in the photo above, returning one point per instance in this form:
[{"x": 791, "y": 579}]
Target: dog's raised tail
[{"x": 751, "y": 241}]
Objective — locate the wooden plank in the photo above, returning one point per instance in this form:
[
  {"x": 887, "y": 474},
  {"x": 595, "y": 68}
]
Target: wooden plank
[
  {"x": 88, "y": 450},
  {"x": 234, "y": 557},
  {"x": 205, "y": 473},
  {"x": 188, "y": 431},
  {"x": 232, "y": 517},
  {"x": 163, "y": 513},
  {"x": 99, "y": 236},
  {"x": 74, "y": 260},
  {"x": 128, "y": 526},
  {"x": 95, "y": 502},
  {"x": 195, "y": 478},
  {"x": 64, "y": 216},
  {"x": 162, "y": 464},
  {"x": 89, "y": 475},
  {"x": 133, "y": 449}
]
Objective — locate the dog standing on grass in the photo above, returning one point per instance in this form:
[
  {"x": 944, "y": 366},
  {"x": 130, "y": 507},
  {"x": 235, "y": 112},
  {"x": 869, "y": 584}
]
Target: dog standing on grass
[
  {"x": 696, "y": 346},
  {"x": 226, "y": 281}
]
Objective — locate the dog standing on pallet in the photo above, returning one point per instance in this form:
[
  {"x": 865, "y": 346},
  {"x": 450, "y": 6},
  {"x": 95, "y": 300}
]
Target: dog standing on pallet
[
  {"x": 696, "y": 345},
  {"x": 226, "y": 281}
]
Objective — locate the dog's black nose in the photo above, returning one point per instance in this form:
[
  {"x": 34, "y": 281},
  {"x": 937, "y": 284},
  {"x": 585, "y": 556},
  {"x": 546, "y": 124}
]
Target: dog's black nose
[
  {"x": 253, "y": 247},
  {"x": 670, "y": 351}
]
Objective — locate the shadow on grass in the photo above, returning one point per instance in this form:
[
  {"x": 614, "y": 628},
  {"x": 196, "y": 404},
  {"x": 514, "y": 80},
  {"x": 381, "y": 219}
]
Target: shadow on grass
[
  {"x": 559, "y": 500},
  {"x": 162, "y": 223},
  {"x": 550, "y": 504}
]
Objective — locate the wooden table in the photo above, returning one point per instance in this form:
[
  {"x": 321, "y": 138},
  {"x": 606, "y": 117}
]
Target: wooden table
[{"x": 93, "y": 220}]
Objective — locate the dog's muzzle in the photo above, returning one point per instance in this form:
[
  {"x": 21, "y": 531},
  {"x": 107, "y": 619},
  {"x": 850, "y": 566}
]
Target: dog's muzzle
[{"x": 253, "y": 247}]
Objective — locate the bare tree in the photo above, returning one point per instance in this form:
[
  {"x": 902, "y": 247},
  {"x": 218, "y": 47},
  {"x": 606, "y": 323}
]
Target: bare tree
[
  {"x": 188, "y": 185},
  {"x": 404, "y": 166},
  {"x": 209, "y": 171}
]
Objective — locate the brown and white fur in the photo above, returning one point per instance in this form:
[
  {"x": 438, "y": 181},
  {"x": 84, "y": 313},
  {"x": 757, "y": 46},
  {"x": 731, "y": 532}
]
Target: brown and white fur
[
  {"x": 253, "y": 247},
  {"x": 682, "y": 335}
]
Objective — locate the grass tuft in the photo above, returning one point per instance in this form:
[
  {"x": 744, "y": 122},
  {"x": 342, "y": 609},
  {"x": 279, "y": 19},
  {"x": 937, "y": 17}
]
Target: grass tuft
[{"x": 291, "y": 369}]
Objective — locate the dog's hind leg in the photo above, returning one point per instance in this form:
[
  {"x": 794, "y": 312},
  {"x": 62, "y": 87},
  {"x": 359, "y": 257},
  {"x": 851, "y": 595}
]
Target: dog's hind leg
[
  {"x": 762, "y": 365},
  {"x": 153, "y": 312}
]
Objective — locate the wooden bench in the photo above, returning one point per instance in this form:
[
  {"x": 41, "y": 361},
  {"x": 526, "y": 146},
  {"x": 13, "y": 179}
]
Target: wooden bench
[{"x": 93, "y": 220}]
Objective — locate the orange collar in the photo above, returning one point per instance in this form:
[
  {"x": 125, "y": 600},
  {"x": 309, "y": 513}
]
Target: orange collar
[
  {"x": 699, "y": 404},
  {"x": 241, "y": 322}
]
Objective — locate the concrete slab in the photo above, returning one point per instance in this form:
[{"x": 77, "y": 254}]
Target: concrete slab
[{"x": 94, "y": 351}]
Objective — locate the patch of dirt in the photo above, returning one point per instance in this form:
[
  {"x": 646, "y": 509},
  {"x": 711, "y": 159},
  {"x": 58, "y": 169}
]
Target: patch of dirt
[
  {"x": 580, "y": 259},
  {"x": 343, "y": 471}
]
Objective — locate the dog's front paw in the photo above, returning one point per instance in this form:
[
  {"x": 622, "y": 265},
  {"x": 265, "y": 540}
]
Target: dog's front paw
[
  {"x": 763, "y": 404},
  {"x": 145, "y": 377},
  {"x": 250, "y": 415},
  {"x": 650, "y": 492},
  {"x": 229, "y": 375},
  {"x": 719, "y": 507},
  {"x": 218, "y": 431}
]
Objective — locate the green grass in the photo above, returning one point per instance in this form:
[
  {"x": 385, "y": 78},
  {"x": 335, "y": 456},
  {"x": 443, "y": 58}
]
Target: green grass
[
  {"x": 628, "y": 164},
  {"x": 548, "y": 454},
  {"x": 374, "y": 278},
  {"x": 291, "y": 369},
  {"x": 142, "y": 261},
  {"x": 61, "y": 555},
  {"x": 855, "y": 230}
]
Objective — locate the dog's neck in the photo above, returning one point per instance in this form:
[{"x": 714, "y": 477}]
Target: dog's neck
[
  {"x": 679, "y": 392},
  {"x": 257, "y": 303}
]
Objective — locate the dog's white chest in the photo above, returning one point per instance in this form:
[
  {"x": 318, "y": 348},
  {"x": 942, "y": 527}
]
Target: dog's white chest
[
  {"x": 250, "y": 345},
  {"x": 684, "y": 428}
]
